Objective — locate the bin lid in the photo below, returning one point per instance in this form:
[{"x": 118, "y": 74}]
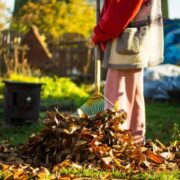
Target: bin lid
[{"x": 20, "y": 83}]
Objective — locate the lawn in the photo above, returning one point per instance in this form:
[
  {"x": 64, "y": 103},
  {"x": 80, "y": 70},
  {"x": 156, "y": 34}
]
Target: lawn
[
  {"x": 163, "y": 119},
  {"x": 163, "y": 123}
]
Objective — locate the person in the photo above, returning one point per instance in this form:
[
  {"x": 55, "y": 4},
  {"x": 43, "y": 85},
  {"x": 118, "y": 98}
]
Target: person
[{"x": 131, "y": 35}]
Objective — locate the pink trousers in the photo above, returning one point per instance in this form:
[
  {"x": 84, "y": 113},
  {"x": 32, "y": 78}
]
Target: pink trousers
[{"x": 126, "y": 88}]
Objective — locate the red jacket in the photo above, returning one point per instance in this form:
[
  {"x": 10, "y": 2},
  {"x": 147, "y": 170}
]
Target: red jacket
[{"x": 115, "y": 17}]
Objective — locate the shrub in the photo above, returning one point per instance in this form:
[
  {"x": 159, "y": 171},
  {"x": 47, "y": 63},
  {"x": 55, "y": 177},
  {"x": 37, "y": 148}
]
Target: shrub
[{"x": 55, "y": 88}]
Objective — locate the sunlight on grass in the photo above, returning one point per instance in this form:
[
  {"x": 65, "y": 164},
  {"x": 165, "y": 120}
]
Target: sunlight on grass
[{"x": 117, "y": 174}]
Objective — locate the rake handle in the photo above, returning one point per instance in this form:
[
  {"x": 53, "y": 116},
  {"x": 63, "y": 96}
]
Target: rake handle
[
  {"x": 97, "y": 70},
  {"x": 97, "y": 55}
]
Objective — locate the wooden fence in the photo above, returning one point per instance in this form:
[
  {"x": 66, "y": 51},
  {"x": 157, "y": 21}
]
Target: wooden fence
[
  {"x": 71, "y": 54},
  {"x": 12, "y": 52}
]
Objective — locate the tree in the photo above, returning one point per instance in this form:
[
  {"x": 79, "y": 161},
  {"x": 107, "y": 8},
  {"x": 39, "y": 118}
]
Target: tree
[
  {"x": 18, "y": 4},
  {"x": 54, "y": 17},
  {"x": 2, "y": 15},
  {"x": 21, "y": 3}
]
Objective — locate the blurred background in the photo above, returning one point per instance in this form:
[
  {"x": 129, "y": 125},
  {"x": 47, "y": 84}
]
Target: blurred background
[{"x": 63, "y": 34}]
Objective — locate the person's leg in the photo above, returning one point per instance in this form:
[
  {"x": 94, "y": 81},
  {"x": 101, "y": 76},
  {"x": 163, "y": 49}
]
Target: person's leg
[
  {"x": 121, "y": 86},
  {"x": 137, "y": 125},
  {"x": 115, "y": 88}
]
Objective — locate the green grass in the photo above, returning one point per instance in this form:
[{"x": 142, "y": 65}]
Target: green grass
[
  {"x": 166, "y": 175},
  {"x": 94, "y": 174},
  {"x": 18, "y": 135},
  {"x": 163, "y": 123}
]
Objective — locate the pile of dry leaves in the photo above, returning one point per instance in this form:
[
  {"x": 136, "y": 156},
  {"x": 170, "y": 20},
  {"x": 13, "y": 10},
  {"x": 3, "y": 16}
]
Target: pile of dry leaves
[{"x": 96, "y": 142}]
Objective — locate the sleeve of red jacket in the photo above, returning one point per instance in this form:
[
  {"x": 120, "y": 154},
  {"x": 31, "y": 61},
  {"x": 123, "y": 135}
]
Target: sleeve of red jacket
[
  {"x": 105, "y": 6},
  {"x": 116, "y": 18}
]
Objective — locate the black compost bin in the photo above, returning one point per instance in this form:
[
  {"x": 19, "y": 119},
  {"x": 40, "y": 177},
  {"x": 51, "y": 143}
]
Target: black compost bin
[{"x": 21, "y": 103}]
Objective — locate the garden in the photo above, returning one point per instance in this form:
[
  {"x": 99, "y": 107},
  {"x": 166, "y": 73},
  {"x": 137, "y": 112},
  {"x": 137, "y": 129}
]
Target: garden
[
  {"x": 60, "y": 144},
  {"x": 60, "y": 97}
]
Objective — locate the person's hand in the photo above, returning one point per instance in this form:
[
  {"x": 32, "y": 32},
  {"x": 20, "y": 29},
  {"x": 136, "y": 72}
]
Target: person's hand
[
  {"x": 95, "y": 42},
  {"x": 94, "y": 39},
  {"x": 92, "y": 44}
]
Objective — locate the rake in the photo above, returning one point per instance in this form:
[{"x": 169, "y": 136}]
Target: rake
[{"x": 97, "y": 100}]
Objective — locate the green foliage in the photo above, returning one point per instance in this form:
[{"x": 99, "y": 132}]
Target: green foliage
[
  {"x": 55, "y": 18},
  {"x": 56, "y": 88},
  {"x": 20, "y": 3}
]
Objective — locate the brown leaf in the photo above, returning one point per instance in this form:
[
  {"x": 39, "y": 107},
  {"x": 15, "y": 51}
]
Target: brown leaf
[
  {"x": 86, "y": 135},
  {"x": 153, "y": 157},
  {"x": 138, "y": 155},
  {"x": 95, "y": 142},
  {"x": 67, "y": 163}
]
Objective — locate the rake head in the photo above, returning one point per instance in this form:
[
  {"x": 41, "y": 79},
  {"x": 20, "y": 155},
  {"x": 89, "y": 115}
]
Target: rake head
[{"x": 94, "y": 105}]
